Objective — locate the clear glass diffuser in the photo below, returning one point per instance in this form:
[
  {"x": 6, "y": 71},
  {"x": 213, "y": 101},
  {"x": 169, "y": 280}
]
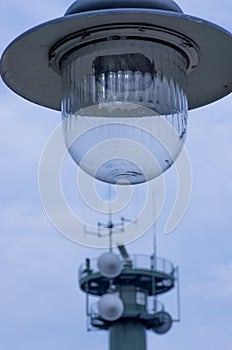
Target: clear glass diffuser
[{"x": 124, "y": 108}]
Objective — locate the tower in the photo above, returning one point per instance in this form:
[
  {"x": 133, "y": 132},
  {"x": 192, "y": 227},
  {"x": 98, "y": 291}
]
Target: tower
[{"x": 127, "y": 288}]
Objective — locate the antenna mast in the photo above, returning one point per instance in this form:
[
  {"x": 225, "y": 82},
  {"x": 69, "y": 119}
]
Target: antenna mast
[{"x": 127, "y": 287}]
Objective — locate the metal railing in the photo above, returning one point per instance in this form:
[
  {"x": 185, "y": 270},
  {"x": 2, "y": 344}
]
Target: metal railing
[
  {"x": 152, "y": 307},
  {"x": 136, "y": 261}
]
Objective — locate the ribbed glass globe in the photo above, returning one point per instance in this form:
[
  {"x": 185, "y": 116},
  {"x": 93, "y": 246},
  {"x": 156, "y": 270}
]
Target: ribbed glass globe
[{"x": 124, "y": 108}]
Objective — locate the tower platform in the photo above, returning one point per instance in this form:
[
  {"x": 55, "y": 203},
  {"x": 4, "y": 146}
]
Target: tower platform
[{"x": 152, "y": 274}]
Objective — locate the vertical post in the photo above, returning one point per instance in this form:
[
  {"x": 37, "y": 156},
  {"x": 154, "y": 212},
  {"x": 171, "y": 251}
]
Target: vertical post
[
  {"x": 178, "y": 294},
  {"x": 111, "y": 239}
]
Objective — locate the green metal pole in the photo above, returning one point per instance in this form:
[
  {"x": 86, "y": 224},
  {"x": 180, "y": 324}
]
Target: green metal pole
[{"x": 127, "y": 335}]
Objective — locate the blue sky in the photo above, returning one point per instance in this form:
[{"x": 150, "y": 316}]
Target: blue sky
[{"x": 40, "y": 304}]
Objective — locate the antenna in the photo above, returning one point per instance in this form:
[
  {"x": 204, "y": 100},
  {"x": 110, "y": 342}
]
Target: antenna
[
  {"x": 154, "y": 227},
  {"x": 127, "y": 262},
  {"x": 109, "y": 265},
  {"x": 162, "y": 323},
  {"x": 123, "y": 252},
  {"x": 154, "y": 256},
  {"x": 110, "y": 307},
  {"x": 108, "y": 229},
  {"x": 111, "y": 227},
  {"x": 125, "y": 285},
  {"x": 110, "y": 220}
]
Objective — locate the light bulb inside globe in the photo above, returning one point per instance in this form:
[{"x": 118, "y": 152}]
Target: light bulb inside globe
[{"x": 124, "y": 108}]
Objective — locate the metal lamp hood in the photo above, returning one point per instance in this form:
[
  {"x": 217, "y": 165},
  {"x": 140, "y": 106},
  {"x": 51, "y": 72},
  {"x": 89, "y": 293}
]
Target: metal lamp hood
[{"x": 27, "y": 68}]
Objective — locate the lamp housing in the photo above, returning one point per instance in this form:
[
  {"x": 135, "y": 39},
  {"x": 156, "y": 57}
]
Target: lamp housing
[{"x": 124, "y": 75}]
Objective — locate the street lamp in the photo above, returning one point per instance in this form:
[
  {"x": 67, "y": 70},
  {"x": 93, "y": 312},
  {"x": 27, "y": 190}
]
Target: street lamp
[{"x": 123, "y": 73}]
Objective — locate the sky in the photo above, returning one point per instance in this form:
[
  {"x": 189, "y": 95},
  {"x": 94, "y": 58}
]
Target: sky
[{"x": 41, "y": 306}]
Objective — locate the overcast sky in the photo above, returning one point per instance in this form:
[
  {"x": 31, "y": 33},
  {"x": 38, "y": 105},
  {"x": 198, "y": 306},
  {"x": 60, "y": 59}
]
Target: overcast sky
[{"x": 40, "y": 304}]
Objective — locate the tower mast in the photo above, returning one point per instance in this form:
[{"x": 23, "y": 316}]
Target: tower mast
[{"x": 127, "y": 287}]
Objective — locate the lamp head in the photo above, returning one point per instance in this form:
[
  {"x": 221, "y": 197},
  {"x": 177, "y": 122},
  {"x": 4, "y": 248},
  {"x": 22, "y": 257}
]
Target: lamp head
[{"x": 124, "y": 75}]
